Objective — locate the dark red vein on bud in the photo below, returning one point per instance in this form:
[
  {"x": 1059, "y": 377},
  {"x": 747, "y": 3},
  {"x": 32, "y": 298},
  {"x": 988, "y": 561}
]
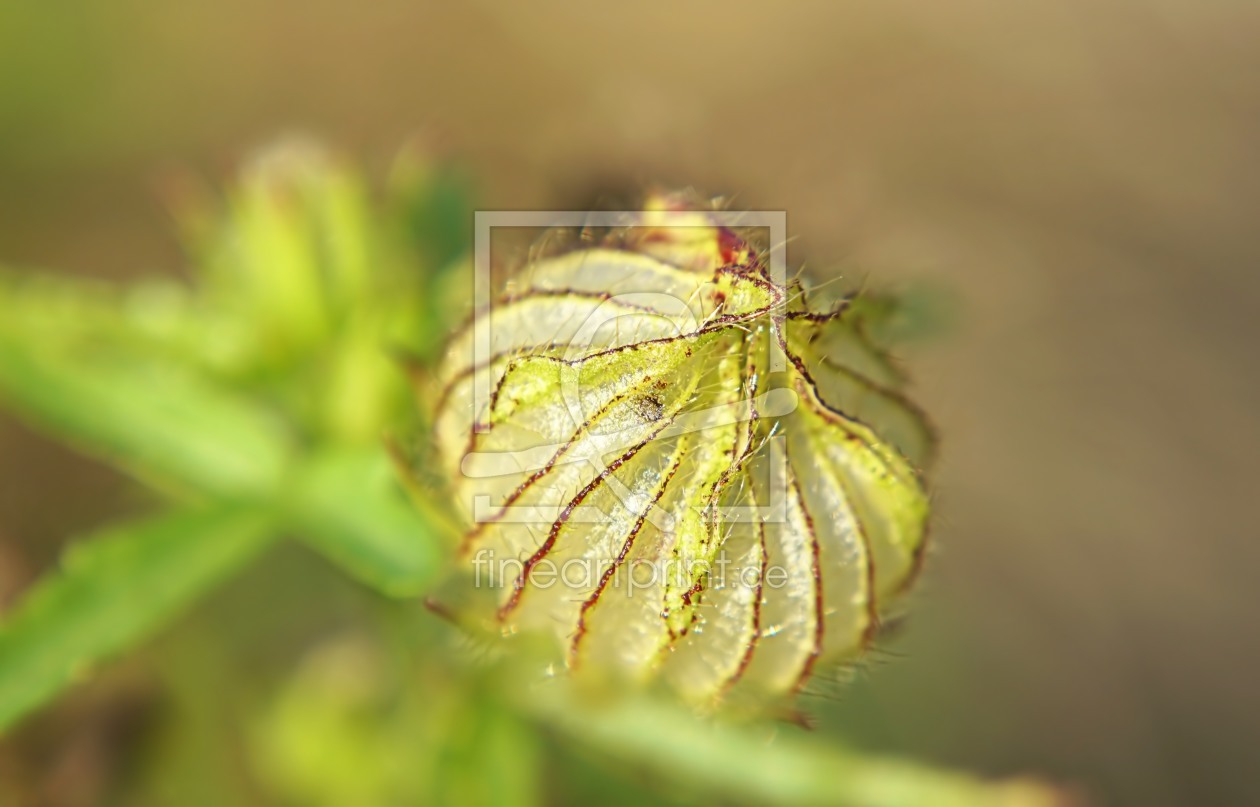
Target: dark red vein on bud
[
  {"x": 626, "y": 547},
  {"x": 518, "y": 587}
]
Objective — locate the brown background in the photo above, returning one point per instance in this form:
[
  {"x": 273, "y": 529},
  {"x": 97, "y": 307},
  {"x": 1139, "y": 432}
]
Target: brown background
[{"x": 1082, "y": 175}]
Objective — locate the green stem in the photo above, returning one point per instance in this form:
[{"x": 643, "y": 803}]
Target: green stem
[{"x": 789, "y": 769}]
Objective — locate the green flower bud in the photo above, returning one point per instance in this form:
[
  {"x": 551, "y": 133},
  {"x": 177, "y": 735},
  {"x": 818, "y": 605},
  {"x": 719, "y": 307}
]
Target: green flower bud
[{"x": 682, "y": 472}]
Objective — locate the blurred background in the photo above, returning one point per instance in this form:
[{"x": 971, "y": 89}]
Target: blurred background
[{"x": 1080, "y": 177}]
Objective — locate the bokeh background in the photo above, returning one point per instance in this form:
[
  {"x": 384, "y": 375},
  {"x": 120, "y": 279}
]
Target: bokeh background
[{"x": 1080, "y": 177}]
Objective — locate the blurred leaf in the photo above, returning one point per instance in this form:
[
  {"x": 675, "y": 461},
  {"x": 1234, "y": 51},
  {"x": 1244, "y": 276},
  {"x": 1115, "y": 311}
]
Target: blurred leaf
[
  {"x": 496, "y": 762},
  {"x": 349, "y": 727},
  {"x": 435, "y": 202},
  {"x": 343, "y": 218},
  {"x": 268, "y": 256},
  {"x": 432, "y": 209},
  {"x": 155, "y": 316},
  {"x": 917, "y": 314},
  {"x": 765, "y": 764},
  {"x": 112, "y": 591},
  {"x": 365, "y": 388},
  {"x": 348, "y": 504},
  {"x": 325, "y": 740},
  {"x": 159, "y": 421}
]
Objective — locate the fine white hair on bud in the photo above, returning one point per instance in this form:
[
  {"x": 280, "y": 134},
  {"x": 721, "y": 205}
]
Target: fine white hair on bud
[{"x": 682, "y": 471}]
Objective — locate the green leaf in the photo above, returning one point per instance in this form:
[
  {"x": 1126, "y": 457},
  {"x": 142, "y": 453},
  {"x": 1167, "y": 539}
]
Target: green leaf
[
  {"x": 113, "y": 591},
  {"x": 917, "y": 314},
  {"x": 434, "y": 202},
  {"x": 273, "y": 261},
  {"x": 354, "y": 726},
  {"x": 348, "y": 505},
  {"x": 157, "y": 317},
  {"x": 159, "y": 421}
]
